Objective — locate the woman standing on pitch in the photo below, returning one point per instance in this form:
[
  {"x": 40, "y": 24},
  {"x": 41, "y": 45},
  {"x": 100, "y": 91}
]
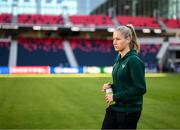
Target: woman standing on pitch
[{"x": 128, "y": 82}]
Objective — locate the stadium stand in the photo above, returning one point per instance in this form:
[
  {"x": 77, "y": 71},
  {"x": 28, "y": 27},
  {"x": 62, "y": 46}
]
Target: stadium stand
[
  {"x": 86, "y": 20},
  {"x": 88, "y": 52},
  {"x": 40, "y": 19},
  {"x": 171, "y": 23},
  {"x": 138, "y": 21},
  {"x": 4, "y": 53},
  {"x": 41, "y": 51},
  {"x": 101, "y": 52},
  {"x": 96, "y": 52},
  {"x": 90, "y": 20},
  {"x": 148, "y": 54},
  {"x": 72, "y": 28},
  {"x": 5, "y": 18}
]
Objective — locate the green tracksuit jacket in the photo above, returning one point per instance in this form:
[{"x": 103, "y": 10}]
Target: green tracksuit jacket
[{"x": 128, "y": 83}]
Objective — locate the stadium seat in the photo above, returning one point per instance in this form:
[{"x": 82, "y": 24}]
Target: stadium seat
[
  {"x": 171, "y": 23},
  {"x": 4, "y": 53},
  {"x": 101, "y": 52},
  {"x": 148, "y": 54},
  {"x": 40, "y": 19},
  {"x": 96, "y": 20},
  {"x": 5, "y": 18},
  {"x": 96, "y": 52},
  {"x": 138, "y": 21},
  {"x": 41, "y": 51}
]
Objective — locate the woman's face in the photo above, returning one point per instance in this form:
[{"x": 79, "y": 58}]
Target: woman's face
[{"x": 119, "y": 41}]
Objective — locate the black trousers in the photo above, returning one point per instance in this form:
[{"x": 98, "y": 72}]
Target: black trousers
[{"x": 120, "y": 120}]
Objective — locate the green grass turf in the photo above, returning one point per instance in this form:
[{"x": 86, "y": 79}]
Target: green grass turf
[{"x": 76, "y": 102}]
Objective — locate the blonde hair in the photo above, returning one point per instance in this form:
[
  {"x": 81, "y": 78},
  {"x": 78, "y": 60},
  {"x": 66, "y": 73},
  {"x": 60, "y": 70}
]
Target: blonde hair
[{"x": 129, "y": 31}]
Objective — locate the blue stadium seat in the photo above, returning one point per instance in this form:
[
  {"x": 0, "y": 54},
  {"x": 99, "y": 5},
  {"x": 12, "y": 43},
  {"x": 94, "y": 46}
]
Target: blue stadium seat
[
  {"x": 41, "y": 52},
  {"x": 4, "y": 53},
  {"x": 148, "y": 54},
  {"x": 93, "y": 52}
]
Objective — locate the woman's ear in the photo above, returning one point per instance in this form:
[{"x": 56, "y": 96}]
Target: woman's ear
[{"x": 128, "y": 39}]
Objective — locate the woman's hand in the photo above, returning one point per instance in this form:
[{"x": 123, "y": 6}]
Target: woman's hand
[
  {"x": 109, "y": 98},
  {"x": 106, "y": 86}
]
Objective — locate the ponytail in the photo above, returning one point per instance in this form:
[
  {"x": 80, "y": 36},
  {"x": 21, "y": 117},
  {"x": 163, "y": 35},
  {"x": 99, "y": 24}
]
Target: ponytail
[{"x": 134, "y": 42}]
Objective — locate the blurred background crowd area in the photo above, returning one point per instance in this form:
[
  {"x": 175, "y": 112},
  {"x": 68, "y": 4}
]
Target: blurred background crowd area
[{"x": 78, "y": 33}]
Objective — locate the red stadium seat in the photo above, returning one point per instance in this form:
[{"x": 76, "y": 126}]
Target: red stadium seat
[
  {"x": 40, "y": 19},
  {"x": 171, "y": 23},
  {"x": 46, "y": 44},
  {"x": 94, "y": 20},
  {"x": 5, "y": 18},
  {"x": 138, "y": 21}
]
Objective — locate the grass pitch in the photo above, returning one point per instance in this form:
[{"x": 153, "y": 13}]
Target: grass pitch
[{"x": 76, "y": 101}]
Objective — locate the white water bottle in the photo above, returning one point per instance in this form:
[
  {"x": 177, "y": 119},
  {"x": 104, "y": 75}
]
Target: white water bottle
[{"x": 110, "y": 91}]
